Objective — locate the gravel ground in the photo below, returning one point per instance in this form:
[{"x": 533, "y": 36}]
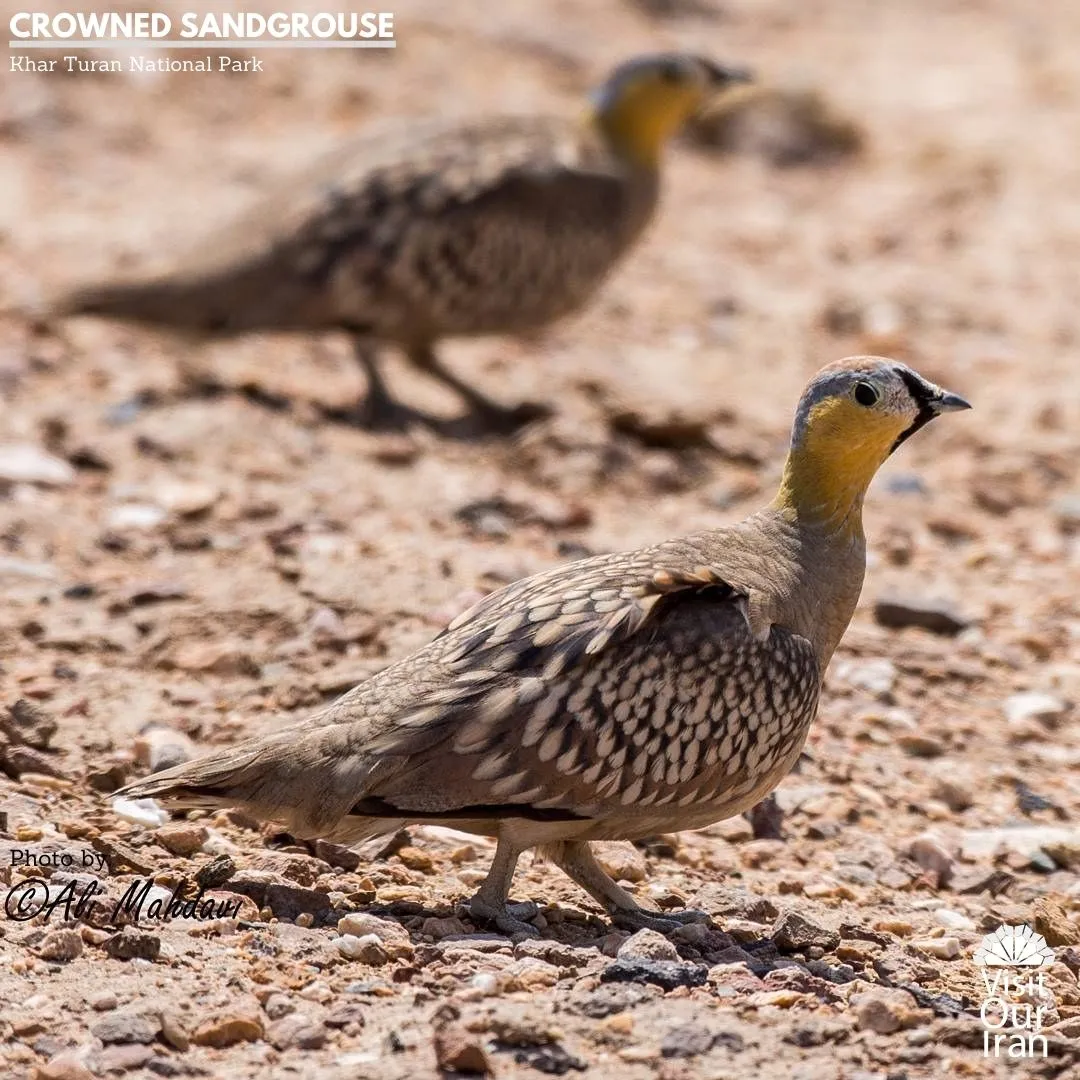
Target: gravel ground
[{"x": 183, "y": 566}]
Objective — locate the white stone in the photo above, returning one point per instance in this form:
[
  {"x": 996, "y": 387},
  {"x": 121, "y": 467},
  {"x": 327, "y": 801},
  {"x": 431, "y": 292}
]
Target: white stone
[
  {"x": 135, "y": 516},
  {"x": 367, "y": 949},
  {"x": 873, "y": 676},
  {"x": 145, "y": 812},
  {"x": 1035, "y": 705},
  {"x": 953, "y": 920},
  {"x": 944, "y": 948},
  {"x": 24, "y": 463}
]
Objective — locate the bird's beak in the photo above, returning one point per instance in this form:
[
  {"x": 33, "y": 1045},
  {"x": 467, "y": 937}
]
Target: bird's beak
[
  {"x": 931, "y": 400},
  {"x": 944, "y": 402},
  {"x": 721, "y": 76}
]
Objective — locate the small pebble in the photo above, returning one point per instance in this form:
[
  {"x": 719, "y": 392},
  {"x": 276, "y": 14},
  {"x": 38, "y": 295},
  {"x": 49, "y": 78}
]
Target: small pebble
[
  {"x": 135, "y": 517},
  {"x": 647, "y": 945},
  {"x": 228, "y": 1030},
  {"x": 1046, "y": 709},
  {"x": 929, "y": 852},
  {"x": 182, "y": 838},
  {"x": 160, "y": 747},
  {"x": 61, "y": 945},
  {"x": 953, "y": 920},
  {"x": 367, "y": 949},
  {"x": 24, "y": 463},
  {"x": 944, "y": 948},
  {"x": 415, "y": 859},
  {"x": 144, "y": 812}
]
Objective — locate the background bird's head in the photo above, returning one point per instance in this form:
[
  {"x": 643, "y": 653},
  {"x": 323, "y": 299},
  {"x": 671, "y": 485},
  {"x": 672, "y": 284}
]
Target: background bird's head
[
  {"x": 851, "y": 417},
  {"x": 646, "y": 100}
]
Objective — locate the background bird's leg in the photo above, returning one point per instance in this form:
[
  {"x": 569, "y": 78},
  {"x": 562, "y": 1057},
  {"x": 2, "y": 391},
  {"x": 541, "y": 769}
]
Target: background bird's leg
[
  {"x": 378, "y": 409},
  {"x": 488, "y": 415},
  {"x": 489, "y": 904},
  {"x": 574, "y": 858}
]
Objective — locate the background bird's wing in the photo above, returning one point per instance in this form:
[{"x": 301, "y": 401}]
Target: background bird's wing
[{"x": 365, "y": 204}]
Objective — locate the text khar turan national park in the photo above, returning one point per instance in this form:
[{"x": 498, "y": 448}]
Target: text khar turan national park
[{"x": 192, "y": 26}]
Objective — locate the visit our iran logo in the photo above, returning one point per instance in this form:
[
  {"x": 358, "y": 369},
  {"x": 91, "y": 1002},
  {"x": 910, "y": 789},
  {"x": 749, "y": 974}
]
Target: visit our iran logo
[
  {"x": 1014, "y": 946},
  {"x": 1014, "y": 1008}
]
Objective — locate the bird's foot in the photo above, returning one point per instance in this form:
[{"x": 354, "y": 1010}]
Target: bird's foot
[
  {"x": 490, "y": 419},
  {"x": 511, "y": 919},
  {"x": 377, "y": 413},
  {"x": 640, "y": 919}
]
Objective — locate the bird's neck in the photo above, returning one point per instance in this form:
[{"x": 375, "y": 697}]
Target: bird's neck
[
  {"x": 825, "y": 492},
  {"x": 635, "y": 136},
  {"x": 829, "y": 467}
]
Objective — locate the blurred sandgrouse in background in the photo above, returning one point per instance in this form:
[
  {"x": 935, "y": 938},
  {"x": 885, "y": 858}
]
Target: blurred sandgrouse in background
[
  {"x": 500, "y": 226},
  {"x": 614, "y": 698}
]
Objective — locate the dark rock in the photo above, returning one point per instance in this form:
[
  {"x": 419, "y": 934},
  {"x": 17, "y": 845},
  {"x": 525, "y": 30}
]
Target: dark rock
[
  {"x": 132, "y": 944},
  {"x": 552, "y": 1059},
  {"x": 16, "y": 760},
  {"x": 284, "y": 900},
  {"x": 337, "y": 855},
  {"x": 121, "y": 1027},
  {"x": 608, "y": 1000},
  {"x": 25, "y": 723},
  {"x": 457, "y": 1050},
  {"x": 767, "y": 819},
  {"x": 1030, "y": 802},
  {"x": 121, "y": 857},
  {"x": 692, "y": 1041},
  {"x": 166, "y": 1066},
  {"x": 937, "y": 616},
  {"x": 793, "y": 932},
  {"x": 109, "y": 778},
  {"x": 666, "y": 974},
  {"x": 215, "y": 873},
  {"x": 815, "y": 1033},
  {"x": 82, "y": 591},
  {"x": 833, "y": 973}
]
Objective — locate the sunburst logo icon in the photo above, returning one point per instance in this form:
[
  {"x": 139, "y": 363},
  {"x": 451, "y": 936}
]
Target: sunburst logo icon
[{"x": 1014, "y": 946}]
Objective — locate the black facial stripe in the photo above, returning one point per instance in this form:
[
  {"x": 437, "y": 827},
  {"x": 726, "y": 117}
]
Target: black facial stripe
[
  {"x": 918, "y": 390},
  {"x": 923, "y": 397}
]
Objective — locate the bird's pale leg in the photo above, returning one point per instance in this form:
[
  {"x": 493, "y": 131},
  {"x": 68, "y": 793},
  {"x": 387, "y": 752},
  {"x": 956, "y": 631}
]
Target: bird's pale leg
[
  {"x": 489, "y": 904},
  {"x": 575, "y": 859},
  {"x": 490, "y": 415}
]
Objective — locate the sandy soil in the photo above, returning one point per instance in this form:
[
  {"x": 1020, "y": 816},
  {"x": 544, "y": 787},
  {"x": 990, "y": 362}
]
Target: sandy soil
[{"x": 196, "y": 561}]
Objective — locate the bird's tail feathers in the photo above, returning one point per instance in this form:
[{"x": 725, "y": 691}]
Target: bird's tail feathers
[
  {"x": 228, "y": 300},
  {"x": 309, "y": 781}
]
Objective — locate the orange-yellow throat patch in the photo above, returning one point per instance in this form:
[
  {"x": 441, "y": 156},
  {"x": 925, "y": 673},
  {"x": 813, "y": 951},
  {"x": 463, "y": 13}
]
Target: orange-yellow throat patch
[
  {"x": 834, "y": 456},
  {"x": 641, "y": 121}
]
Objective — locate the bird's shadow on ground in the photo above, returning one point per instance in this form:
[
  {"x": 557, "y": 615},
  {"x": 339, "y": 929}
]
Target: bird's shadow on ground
[{"x": 473, "y": 426}]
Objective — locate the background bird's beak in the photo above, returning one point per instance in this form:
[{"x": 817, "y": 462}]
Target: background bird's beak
[
  {"x": 721, "y": 76},
  {"x": 946, "y": 402}
]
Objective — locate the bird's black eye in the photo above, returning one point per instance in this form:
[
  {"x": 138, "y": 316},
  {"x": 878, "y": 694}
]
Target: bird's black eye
[
  {"x": 673, "y": 72},
  {"x": 866, "y": 394}
]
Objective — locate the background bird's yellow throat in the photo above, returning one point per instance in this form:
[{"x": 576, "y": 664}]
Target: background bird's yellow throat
[
  {"x": 832, "y": 460},
  {"x": 644, "y": 116}
]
